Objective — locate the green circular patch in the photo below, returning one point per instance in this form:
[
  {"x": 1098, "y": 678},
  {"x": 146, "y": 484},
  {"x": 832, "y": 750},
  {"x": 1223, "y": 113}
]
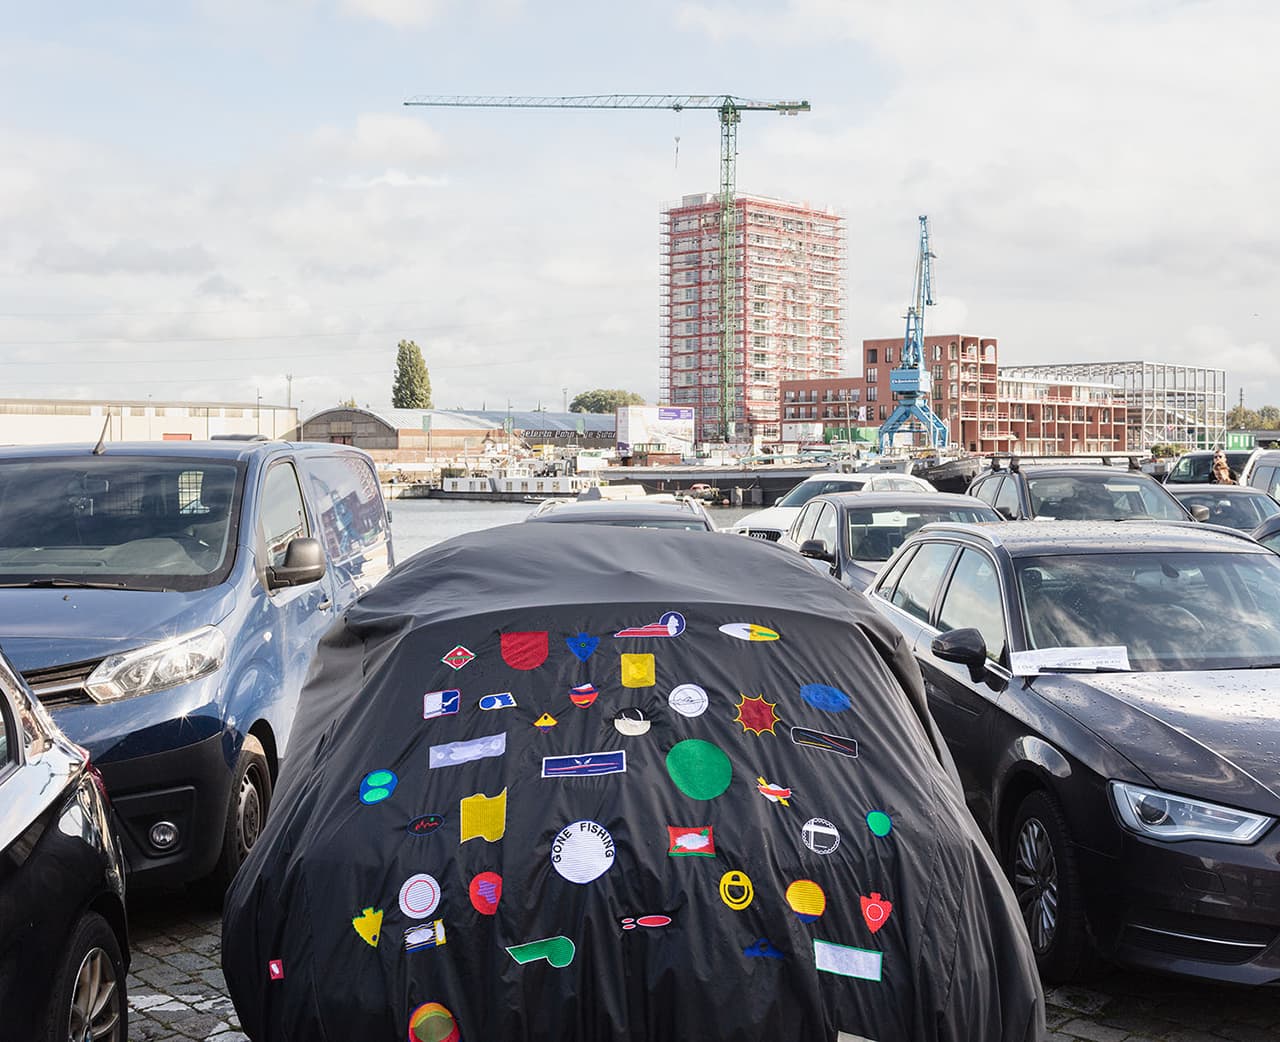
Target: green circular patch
[
  {"x": 379, "y": 778},
  {"x": 879, "y": 823},
  {"x": 699, "y": 769}
]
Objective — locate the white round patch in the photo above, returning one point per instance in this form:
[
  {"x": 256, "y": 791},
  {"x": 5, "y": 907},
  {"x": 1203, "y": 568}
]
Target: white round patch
[
  {"x": 688, "y": 700},
  {"x": 582, "y": 851},
  {"x": 419, "y": 896},
  {"x": 820, "y": 836}
]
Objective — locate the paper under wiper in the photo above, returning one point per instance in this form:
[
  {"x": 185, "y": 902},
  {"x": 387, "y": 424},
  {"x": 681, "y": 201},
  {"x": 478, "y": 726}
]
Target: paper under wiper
[{"x": 1111, "y": 659}]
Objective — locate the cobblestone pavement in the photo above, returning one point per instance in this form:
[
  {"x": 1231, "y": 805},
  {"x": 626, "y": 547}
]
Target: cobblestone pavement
[{"x": 176, "y": 992}]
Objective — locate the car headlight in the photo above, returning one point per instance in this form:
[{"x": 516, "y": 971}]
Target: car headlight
[
  {"x": 1168, "y": 817},
  {"x": 158, "y": 666}
]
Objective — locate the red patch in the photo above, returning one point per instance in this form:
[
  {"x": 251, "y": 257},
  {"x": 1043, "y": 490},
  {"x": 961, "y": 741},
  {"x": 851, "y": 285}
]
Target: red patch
[
  {"x": 486, "y": 892},
  {"x": 875, "y": 911},
  {"x": 524, "y": 650},
  {"x": 275, "y": 968}
]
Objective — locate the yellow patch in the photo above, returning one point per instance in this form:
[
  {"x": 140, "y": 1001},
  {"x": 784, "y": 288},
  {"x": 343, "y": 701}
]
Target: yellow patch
[
  {"x": 483, "y": 816},
  {"x": 368, "y": 925},
  {"x": 638, "y": 671}
]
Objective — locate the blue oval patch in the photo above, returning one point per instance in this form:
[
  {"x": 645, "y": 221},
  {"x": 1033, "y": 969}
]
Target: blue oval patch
[{"x": 825, "y": 697}]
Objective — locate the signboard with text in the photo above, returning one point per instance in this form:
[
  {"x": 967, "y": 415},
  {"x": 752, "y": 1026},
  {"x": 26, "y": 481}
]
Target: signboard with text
[{"x": 665, "y": 428}]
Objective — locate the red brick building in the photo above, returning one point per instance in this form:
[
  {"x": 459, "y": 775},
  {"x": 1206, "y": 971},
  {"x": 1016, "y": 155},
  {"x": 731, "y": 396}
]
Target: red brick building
[{"x": 984, "y": 411}]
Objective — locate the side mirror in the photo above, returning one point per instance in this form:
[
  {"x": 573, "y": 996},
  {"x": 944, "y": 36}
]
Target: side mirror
[
  {"x": 965, "y": 646},
  {"x": 1004, "y": 512},
  {"x": 816, "y": 548},
  {"x": 1200, "y": 512},
  {"x": 303, "y": 563}
]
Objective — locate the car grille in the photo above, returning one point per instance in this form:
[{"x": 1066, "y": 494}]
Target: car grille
[
  {"x": 764, "y": 533},
  {"x": 61, "y": 685}
]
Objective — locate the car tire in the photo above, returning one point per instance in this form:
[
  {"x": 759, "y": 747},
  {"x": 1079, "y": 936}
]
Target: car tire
[
  {"x": 1042, "y": 869},
  {"x": 247, "y": 807},
  {"x": 89, "y": 984}
]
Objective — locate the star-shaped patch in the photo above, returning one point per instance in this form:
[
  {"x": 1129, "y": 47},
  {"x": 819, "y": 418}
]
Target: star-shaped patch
[{"x": 756, "y": 715}]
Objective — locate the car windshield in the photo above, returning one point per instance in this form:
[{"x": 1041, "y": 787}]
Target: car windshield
[
  {"x": 135, "y": 522},
  {"x": 1169, "y": 611},
  {"x": 874, "y": 534},
  {"x": 1105, "y": 496},
  {"x": 806, "y": 490},
  {"x": 1242, "y": 511}
]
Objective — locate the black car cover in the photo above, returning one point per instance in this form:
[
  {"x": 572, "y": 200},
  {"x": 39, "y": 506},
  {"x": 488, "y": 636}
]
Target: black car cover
[{"x": 580, "y": 784}]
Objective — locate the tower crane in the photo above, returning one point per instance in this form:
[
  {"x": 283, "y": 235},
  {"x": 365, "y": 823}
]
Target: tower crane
[
  {"x": 730, "y": 110},
  {"x": 910, "y": 381}
]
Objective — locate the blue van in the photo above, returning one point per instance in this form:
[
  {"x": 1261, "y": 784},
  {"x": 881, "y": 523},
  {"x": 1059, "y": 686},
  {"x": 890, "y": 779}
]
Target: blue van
[{"x": 163, "y": 601}]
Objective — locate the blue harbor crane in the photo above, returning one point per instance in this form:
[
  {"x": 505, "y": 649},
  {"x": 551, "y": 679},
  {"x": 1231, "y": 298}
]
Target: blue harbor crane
[{"x": 910, "y": 381}]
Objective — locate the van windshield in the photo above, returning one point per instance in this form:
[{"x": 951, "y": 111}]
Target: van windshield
[{"x": 127, "y": 522}]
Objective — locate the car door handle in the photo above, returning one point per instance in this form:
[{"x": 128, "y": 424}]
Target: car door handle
[{"x": 325, "y": 604}]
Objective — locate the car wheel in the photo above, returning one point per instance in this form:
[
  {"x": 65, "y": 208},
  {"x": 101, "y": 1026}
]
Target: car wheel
[
  {"x": 246, "y": 812},
  {"x": 1042, "y": 868},
  {"x": 89, "y": 988}
]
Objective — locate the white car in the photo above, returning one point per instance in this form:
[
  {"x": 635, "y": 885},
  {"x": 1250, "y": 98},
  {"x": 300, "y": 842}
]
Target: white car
[{"x": 771, "y": 522}]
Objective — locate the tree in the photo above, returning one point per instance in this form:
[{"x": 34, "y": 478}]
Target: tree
[
  {"x": 412, "y": 387},
  {"x": 348, "y": 403},
  {"x": 602, "y": 400},
  {"x": 1242, "y": 419}
]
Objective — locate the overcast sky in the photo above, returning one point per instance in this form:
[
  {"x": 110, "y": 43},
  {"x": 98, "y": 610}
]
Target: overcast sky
[{"x": 197, "y": 199}]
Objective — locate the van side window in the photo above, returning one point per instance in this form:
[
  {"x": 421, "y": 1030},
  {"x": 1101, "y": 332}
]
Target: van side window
[
  {"x": 346, "y": 494},
  {"x": 283, "y": 516},
  {"x": 1262, "y": 478}
]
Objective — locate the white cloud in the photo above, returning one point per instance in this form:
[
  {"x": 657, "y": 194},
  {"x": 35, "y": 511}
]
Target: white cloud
[{"x": 403, "y": 14}]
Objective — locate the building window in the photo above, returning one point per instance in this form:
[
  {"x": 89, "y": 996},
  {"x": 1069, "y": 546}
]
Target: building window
[
  {"x": 871, "y": 394},
  {"x": 884, "y": 411},
  {"x": 888, "y": 354},
  {"x": 872, "y": 356},
  {"x": 871, "y": 375},
  {"x": 937, "y": 353}
]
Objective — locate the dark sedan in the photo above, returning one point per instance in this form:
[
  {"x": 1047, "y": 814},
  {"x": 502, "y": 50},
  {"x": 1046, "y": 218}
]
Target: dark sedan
[
  {"x": 63, "y": 938},
  {"x": 851, "y": 534},
  {"x": 1268, "y": 534},
  {"x": 1232, "y": 506},
  {"x": 1109, "y": 693}
]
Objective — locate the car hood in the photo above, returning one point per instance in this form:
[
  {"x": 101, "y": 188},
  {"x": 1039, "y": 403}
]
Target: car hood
[
  {"x": 777, "y": 518},
  {"x": 44, "y": 628},
  {"x": 1214, "y": 733}
]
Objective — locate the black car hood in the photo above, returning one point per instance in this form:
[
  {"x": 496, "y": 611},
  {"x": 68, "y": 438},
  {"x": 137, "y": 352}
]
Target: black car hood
[{"x": 1214, "y": 733}]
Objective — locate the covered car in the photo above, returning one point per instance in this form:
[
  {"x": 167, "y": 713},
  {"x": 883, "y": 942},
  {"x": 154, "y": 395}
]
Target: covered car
[{"x": 635, "y": 784}]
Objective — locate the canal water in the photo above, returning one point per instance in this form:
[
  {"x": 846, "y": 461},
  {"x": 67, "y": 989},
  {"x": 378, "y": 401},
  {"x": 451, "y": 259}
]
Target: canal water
[{"x": 419, "y": 523}]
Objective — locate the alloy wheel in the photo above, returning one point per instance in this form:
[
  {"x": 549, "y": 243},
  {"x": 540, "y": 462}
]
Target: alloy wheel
[
  {"x": 1035, "y": 884},
  {"x": 95, "y": 1001}
]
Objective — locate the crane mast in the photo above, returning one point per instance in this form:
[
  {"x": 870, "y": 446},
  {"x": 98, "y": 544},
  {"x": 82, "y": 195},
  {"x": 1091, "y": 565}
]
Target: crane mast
[
  {"x": 730, "y": 111},
  {"x": 910, "y": 381}
]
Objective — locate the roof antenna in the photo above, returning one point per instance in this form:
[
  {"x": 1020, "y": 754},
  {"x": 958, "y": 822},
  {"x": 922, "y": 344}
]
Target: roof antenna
[{"x": 101, "y": 447}]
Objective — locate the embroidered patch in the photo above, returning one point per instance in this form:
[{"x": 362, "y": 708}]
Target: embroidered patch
[
  {"x": 419, "y": 895},
  {"x": 688, "y": 700},
  {"x": 756, "y": 715},
  {"x": 806, "y": 899},
  {"x": 844, "y": 1036},
  {"x": 440, "y": 703},
  {"x": 762, "y": 949},
  {"x": 524, "y": 650},
  {"x": 482, "y": 816},
  {"x": 736, "y": 890},
  {"x": 501, "y": 700},
  {"x": 431, "y": 1022},
  {"x": 453, "y": 753},
  {"x": 275, "y": 969},
  {"x": 632, "y": 722},
  {"x": 637, "y": 671},
  {"x": 558, "y": 951},
  {"x": 458, "y": 657},
  {"x": 825, "y": 697},
  {"x": 545, "y": 722},
  {"x": 699, "y": 769},
  {"x": 425, "y": 825},
  {"x": 774, "y": 793},
  {"x": 691, "y": 842},
  {"x": 831, "y": 743},
  {"x": 847, "y": 961},
  {"x": 583, "y": 645},
  {"x": 428, "y": 935},
  {"x": 875, "y": 912},
  {"x": 748, "y": 631},
  {"x": 671, "y": 624},
  {"x": 653, "y": 922},
  {"x": 582, "y": 851},
  {"x": 376, "y": 786},
  {"x": 583, "y": 764},
  {"x": 879, "y": 823},
  {"x": 368, "y": 924},
  {"x": 820, "y": 836},
  {"x": 485, "y": 892},
  {"x": 583, "y": 695}
]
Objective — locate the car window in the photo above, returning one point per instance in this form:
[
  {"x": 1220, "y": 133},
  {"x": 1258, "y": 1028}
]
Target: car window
[
  {"x": 1271, "y": 542},
  {"x": 919, "y": 583},
  {"x": 349, "y": 502},
  {"x": 986, "y": 489},
  {"x": 874, "y": 533},
  {"x": 1105, "y": 496},
  {"x": 283, "y": 516},
  {"x": 1192, "y": 469},
  {"x": 827, "y": 527},
  {"x": 1264, "y": 478},
  {"x": 6, "y": 753},
  {"x": 890, "y": 578},
  {"x": 806, "y": 490},
  {"x": 1006, "y": 499},
  {"x": 1243, "y": 512},
  {"x": 803, "y": 528},
  {"x": 973, "y": 599}
]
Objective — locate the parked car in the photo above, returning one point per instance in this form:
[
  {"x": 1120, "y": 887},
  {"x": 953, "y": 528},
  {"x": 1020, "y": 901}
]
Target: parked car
[
  {"x": 1108, "y": 693},
  {"x": 1262, "y": 471},
  {"x": 1232, "y": 506},
  {"x": 1077, "y": 492},
  {"x": 163, "y": 601},
  {"x": 850, "y": 535},
  {"x": 771, "y": 522},
  {"x": 1196, "y": 467},
  {"x": 64, "y": 943},
  {"x": 652, "y": 512},
  {"x": 1268, "y": 533}
]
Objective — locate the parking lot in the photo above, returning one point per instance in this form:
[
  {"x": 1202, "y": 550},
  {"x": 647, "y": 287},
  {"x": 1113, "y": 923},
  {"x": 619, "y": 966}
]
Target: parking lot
[{"x": 176, "y": 991}]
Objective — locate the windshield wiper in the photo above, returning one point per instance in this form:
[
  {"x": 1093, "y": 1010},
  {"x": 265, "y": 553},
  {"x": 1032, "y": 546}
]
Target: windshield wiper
[
  {"x": 57, "y": 581},
  {"x": 1084, "y": 669}
]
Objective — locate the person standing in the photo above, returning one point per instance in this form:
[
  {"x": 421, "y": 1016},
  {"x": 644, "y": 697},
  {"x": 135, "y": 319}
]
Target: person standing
[{"x": 1221, "y": 472}]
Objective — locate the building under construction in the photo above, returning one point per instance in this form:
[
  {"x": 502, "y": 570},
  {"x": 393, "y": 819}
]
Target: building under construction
[{"x": 788, "y": 320}]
